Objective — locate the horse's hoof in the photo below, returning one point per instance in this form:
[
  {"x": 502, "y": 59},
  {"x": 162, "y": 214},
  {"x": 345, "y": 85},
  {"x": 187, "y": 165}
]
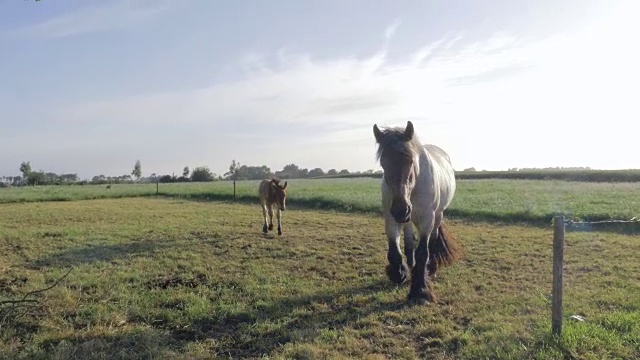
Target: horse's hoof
[
  {"x": 271, "y": 227},
  {"x": 279, "y": 232},
  {"x": 264, "y": 229},
  {"x": 420, "y": 297},
  {"x": 417, "y": 300},
  {"x": 398, "y": 274}
]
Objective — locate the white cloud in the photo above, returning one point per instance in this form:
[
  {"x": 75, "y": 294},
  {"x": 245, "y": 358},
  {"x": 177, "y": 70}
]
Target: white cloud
[
  {"x": 92, "y": 18},
  {"x": 504, "y": 102},
  {"x": 390, "y": 31}
]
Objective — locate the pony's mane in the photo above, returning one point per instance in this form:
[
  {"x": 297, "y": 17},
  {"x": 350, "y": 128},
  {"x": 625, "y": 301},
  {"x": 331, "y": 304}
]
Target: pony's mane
[
  {"x": 393, "y": 138},
  {"x": 276, "y": 181}
]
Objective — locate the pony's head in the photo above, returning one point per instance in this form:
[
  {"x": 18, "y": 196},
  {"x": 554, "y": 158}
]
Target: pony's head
[
  {"x": 280, "y": 193},
  {"x": 398, "y": 151}
]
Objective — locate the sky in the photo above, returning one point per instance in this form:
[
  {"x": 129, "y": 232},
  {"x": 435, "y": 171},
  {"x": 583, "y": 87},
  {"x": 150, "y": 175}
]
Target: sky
[{"x": 90, "y": 86}]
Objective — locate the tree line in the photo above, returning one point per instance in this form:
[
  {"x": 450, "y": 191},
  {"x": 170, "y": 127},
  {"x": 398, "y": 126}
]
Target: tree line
[{"x": 236, "y": 171}]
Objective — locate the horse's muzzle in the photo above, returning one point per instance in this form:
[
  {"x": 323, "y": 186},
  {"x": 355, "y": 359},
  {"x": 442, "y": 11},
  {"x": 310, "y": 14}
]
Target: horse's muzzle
[{"x": 402, "y": 215}]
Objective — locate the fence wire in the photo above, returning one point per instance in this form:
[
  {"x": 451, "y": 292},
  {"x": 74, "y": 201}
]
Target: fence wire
[{"x": 633, "y": 220}]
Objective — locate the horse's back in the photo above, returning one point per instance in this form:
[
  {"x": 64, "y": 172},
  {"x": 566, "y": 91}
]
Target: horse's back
[
  {"x": 263, "y": 190},
  {"x": 443, "y": 174}
]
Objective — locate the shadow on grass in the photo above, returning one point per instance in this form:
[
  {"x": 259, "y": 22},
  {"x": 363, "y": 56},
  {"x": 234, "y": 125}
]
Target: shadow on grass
[
  {"x": 247, "y": 334},
  {"x": 269, "y": 326},
  {"x": 136, "y": 344},
  {"x": 91, "y": 253}
]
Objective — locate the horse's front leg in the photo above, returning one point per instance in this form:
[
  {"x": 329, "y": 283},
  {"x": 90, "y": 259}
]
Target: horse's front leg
[
  {"x": 397, "y": 270},
  {"x": 279, "y": 216},
  {"x": 270, "y": 217},
  {"x": 409, "y": 245},
  {"x": 264, "y": 216},
  {"x": 421, "y": 291}
]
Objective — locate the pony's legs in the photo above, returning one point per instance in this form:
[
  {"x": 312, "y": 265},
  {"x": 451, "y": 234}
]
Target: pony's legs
[
  {"x": 264, "y": 216},
  {"x": 409, "y": 245},
  {"x": 432, "y": 265},
  {"x": 270, "y": 217},
  {"x": 279, "y": 216},
  {"x": 421, "y": 291},
  {"x": 396, "y": 269}
]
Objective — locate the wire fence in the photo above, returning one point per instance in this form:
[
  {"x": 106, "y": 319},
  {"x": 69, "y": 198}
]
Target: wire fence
[
  {"x": 560, "y": 224},
  {"x": 633, "y": 220}
]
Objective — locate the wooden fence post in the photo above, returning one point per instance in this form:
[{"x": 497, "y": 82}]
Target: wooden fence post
[
  {"x": 157, "y": 187},
  {"x": 558, "y": 261},
  {"x": 234, "y": 190}
]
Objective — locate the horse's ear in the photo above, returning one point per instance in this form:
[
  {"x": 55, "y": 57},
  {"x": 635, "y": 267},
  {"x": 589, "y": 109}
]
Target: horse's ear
[
  {"x": 377, "y": 133},
  {"x": 285, "y": 185},
  {"x": 408, "y": 131}
]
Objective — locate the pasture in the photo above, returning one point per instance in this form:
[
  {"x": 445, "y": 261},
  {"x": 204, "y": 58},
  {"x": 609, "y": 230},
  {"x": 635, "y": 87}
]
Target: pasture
[
  {"x": 190, "y": 275},
  {"x": 528, "y": 201}
]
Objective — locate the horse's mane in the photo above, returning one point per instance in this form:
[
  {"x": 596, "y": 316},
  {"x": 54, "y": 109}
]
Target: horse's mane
[
  {"x": 276, "y": 181},
  {"x": 394, "y": 138}
]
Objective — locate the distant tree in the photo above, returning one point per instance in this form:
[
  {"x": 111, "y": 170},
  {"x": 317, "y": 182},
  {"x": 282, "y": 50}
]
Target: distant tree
[
  {"x": 292, "y": 171},
  {"x": 69, "y": 178},
  {"x": 202, "y": 173},
  {"x": 252, "y": 172},
  {"x": 36, "y": 178},
  {"x": 232, "y": 174},
  {"x": 99, "y": 179},
  {"x": 332, "y": 172},
  {"x": 165, "y": 179},
  {"x": 25, "y": 168},
  {"x": 315, "y": 172},
  {"x": 186, "y": 171},
  {"x": 137, "y": 170},
  {"x": 291, "y": 168},
  {"x": 471, "y": 169},
  {"x": 344, "y": 172}
]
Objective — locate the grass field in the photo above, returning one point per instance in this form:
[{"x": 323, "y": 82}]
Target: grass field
[
  {"x": 630, "y": 175},
  {"x": 529, "y": 201},
  {"x": 185, "y": 275}
]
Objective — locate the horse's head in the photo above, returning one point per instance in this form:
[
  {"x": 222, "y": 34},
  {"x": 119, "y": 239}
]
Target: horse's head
[
  {"x": 280, "y": 192},
  {"x": 397, "y": 153}
]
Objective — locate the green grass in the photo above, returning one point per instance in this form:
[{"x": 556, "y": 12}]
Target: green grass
[
  {"x": 629, "y": 175},
  {"x": 171, "y": 278},
  {"x": 530, "y": 201}
]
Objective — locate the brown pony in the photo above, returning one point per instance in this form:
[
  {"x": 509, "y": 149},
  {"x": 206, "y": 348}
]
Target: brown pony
[{"x": 272, "y": 192}]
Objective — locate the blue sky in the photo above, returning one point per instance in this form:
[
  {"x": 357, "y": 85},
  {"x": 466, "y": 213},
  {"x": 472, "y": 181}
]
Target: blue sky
[{"x": 91, "y": 86}]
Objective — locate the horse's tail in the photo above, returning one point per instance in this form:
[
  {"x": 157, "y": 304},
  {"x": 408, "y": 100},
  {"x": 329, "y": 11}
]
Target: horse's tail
[{"x": 444, "y": 249}]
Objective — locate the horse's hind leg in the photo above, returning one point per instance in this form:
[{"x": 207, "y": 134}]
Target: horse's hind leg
[
  {"x": 409, "y": 245},
  {"x": 432, "y": 266},
  {"x": 270, "y": 217},
  {"x": 396, "y": 269}
]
